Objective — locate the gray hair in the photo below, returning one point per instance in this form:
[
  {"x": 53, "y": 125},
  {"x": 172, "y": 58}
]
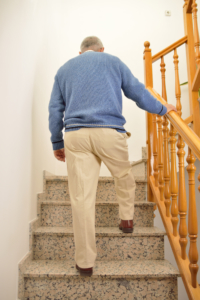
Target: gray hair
[{"x": 91, "y": 42}]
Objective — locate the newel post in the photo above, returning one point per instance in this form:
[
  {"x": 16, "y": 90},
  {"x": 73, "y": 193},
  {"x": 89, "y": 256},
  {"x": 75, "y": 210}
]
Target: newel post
[
  {"x": 191, "y": 45},
  {"x": 148, "y": 77}
]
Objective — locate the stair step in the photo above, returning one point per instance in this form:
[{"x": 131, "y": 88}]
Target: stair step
[
  {"x": 150, "y": 279},
  {"x": 112, "y": 244},
  {"x": 57, "y": 189},
  {"x": 134, "y": 268},
  {"x": 58, "y": 213}
]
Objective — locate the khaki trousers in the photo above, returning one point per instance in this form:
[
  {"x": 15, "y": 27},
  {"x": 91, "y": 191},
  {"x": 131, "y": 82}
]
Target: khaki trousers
[{"x": 85, "y": 149}]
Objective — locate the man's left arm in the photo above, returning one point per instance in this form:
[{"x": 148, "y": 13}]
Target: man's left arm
[{"x": 56, "y": 124}]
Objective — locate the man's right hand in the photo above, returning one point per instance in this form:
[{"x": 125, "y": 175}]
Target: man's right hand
[{"x": 170, "y": 107}]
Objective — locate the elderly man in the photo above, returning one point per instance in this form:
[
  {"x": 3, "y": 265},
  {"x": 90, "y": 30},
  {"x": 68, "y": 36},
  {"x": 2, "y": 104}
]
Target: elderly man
[{"x": 87, "y": 92}]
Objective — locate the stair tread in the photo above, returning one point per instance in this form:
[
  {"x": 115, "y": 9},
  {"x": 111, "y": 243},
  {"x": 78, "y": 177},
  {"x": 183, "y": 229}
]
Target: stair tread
[
  {"x": 101, "y": 178},
  {"x": 68, "y": 203},
  {"x": 114, "y": 269},
  {"x": 102, "y": 231}
]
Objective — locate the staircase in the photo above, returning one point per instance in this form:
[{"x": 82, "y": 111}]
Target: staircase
[{"x": 128, "y": 266}]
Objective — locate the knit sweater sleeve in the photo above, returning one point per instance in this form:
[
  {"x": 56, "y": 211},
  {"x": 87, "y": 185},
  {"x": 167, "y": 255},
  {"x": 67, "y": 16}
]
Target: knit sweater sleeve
[
  {"x": 136, "y": 91},
  {"x": 56, "y": 114}
]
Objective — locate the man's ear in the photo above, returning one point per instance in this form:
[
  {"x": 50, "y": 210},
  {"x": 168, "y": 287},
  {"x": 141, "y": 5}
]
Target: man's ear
[
  {"x": 101, "y": 50},
  {"x": 80, "y": 53}
]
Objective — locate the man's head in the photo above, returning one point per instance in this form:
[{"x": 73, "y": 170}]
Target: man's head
[{"x": 91, "y": 43}]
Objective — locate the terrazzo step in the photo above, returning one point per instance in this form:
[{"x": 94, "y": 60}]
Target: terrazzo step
[
  {"x": 58, "y": 213},
  {"x": 57, "y": 189},
  {"x": 113, "y": 280},
  {"x": 57, "y": 243}
]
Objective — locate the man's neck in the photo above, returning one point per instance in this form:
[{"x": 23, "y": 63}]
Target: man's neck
[{"x": 89, "y": 50}]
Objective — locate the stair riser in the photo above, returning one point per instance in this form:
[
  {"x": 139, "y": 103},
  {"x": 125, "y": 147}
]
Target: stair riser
[
  {"x": 140, "y": 169},
  {"x": 106, "y": 216},
  {"x": 58, "y": 190},
  {"x": 58, "y": 247},
  {"x": 100, "y": 288}
]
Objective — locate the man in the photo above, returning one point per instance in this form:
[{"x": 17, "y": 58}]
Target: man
[{"x": 87, "y": 89}]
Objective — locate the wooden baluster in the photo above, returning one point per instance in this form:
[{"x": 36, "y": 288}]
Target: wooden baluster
[
  {"x": 165, "y": 123},
  {"x": 155, "y": 151},
  {"x": 192, "y": 219},
  {"x": 174, "y": 181},
  {"x": 182, "y": 200},
  {"x": 199, "y": 180},
  {"x": 196, "y": 32},
  {"x": 148, "y": 76},
  {"x": 160, "y": 158}
]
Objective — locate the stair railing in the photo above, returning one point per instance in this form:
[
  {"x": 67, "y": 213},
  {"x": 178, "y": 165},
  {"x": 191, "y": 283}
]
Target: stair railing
[{"x": 164, "y": 189}]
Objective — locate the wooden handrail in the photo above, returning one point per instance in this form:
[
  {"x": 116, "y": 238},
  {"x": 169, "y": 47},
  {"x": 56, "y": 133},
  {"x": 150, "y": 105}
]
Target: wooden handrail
[
  {"x": 169, "y": 49},
  {"x": 188, "y": 135}
]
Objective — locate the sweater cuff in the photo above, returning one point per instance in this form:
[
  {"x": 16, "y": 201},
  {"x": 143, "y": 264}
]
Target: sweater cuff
[
  {"x": 58, "y": 145},
  {"x": 163, "y": 110}
]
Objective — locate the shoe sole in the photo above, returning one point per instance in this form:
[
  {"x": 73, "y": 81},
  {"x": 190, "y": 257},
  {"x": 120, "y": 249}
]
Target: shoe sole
[
  {"x": 126, "y": 230},
  {"x": 84, "y": 273}
]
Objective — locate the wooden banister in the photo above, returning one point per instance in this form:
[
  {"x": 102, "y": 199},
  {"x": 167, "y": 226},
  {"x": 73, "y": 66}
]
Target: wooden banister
[
  {"x": 192, "y": 219},
  {"x": 155, "y": 151},
  {"x": 189, "y": 120},
  {"x": 188, "y": 135},
  {"x": 169, "y": 49},
  {"x": 164, "y": 182},
  {"x": 149, "y": 118},
  {"x": 167, "y": 190},
  {"x": 183, "y": 265},
  {"x": 182, "y": 200},
  {"x": 174, "y": 181},
  {"x": 196, "y": 33},
  {"x": 191, "y": 69},
  {"x": 199, "y": 180}
]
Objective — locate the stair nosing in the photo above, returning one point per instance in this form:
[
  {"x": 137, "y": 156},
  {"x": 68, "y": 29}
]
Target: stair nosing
[
  {"x": 104, "y": 231},
  {"x": 65, "y": 178},
  {"x": 99, "y": 203}
]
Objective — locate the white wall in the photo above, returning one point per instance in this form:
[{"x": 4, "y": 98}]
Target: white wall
[
  {"x": 36, "y": 38},
  {"x": 21, "y": 134}
]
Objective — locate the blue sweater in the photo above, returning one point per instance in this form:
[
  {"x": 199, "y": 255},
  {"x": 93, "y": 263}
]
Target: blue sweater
[{"x": 87, "y": 93}]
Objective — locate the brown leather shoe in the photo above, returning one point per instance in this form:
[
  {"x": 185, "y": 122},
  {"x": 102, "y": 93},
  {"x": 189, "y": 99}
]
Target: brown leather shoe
[
  {"x": 126, "y": 226},
  {"x": 85, "y": 272}
]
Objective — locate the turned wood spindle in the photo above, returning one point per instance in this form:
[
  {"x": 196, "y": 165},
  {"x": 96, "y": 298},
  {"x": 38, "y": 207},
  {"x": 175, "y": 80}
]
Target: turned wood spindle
[
  {"x": 160, "y": 158},
  {"x": 155, "y": 151},
  {"x": 174, "y": 181},
  {"x": 192, "y": 220},
  {"x": 196, "y": 32},
  {"x": 148, "y": 76},
  {"x": 167, "y": 192},
  {"x": 182, "y": 200},
  {"x": 199, "y": 180}
]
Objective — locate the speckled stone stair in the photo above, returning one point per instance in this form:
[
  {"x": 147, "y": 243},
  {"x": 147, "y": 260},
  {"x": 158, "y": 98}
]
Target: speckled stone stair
[
  {"x": 107, "y": 214},
  {"x": 111, "y": 280},
  {"x": 57, "y": 189},
  {"x": 128, "y": 266},
  {"x": 112, "y": 244}
]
